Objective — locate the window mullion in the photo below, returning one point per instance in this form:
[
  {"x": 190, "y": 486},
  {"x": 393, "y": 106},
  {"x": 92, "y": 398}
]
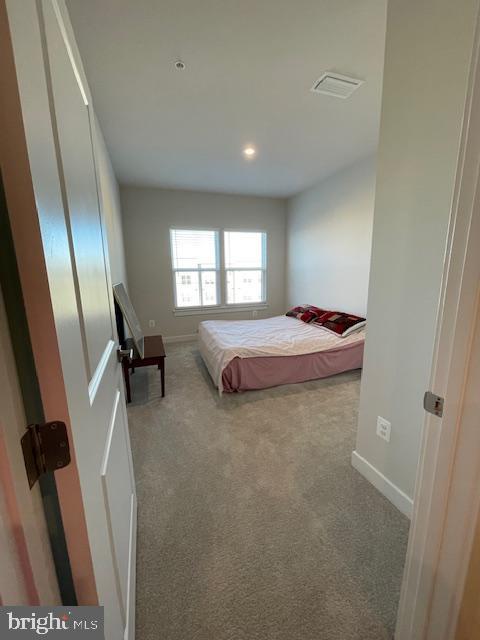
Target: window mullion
[
  {"x": 200, "y": 290},
  {"x": 223, "y": 272}
]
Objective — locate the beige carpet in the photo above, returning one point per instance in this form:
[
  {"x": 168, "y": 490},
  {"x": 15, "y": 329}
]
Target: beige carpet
[{"x": 252, "y": 523}]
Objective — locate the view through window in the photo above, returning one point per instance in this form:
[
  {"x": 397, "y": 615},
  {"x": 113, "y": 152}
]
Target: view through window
[
  {"x": 199, "y": 270},
  {"x": 245, "y": 268}
]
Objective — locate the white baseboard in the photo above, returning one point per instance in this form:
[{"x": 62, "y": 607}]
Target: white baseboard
[
  {"x": 185, "y": 338},
  {"x": 383, "y": 484}
]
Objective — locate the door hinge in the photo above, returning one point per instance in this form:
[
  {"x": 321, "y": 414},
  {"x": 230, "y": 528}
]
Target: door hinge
[
  {"x": 45, "y": 448},
  {"x": 433, "y": 403}
]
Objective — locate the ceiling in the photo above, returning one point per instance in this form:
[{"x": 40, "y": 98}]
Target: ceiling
[{"x": 250, "y": 65}]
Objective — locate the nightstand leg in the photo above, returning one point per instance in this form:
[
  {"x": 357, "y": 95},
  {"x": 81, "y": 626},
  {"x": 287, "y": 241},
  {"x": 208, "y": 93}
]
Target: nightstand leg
[
  {"x": 162, "y": 375},
  {"x": 126, "y": 377}
]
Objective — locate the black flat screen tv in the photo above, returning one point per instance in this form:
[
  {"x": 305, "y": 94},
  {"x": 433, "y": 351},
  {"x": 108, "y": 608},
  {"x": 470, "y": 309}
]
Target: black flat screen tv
[{"x": 126, "y": 307}]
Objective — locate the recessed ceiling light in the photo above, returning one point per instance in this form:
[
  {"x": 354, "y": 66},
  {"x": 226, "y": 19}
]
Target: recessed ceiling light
[
  {"x": 249, "y": 151},
  {"x": 180, "y": 65}
]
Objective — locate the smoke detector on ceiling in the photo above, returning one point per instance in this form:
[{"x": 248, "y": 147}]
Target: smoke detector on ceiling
[{"x": 334, "y": 84}]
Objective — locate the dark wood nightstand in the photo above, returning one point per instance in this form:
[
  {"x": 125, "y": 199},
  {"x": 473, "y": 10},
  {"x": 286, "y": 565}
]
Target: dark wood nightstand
[{"x": 154, "y": 355}]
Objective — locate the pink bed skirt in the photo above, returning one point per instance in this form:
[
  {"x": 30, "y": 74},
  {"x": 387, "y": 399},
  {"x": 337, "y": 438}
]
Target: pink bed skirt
[{"x": 242, "y": 374}]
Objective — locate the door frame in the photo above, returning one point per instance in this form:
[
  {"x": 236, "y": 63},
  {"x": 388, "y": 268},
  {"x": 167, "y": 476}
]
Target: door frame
[
  {"x": 444, "y": 517},
  {"x": 34, "y": 551}
]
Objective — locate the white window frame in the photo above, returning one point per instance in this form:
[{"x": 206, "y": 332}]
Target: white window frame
[
  {"x": 263, "y": 268},
  {"x": 199, "y": 270},
  {"x": 222, "y": 306}
]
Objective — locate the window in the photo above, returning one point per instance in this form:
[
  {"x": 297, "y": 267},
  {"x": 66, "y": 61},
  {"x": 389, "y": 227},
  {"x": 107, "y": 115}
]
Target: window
[
  {"x": 245, "y": 266},
  {"x": 195, "y": 267},
  {"x": 197, "y": 272}
]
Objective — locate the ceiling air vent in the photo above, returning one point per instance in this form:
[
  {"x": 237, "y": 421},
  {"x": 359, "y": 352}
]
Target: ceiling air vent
[{"x": 334, "y": 84}]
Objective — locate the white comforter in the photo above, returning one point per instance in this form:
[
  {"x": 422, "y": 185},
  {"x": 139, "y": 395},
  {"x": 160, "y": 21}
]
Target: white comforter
[{"x": 222, "y": 340}]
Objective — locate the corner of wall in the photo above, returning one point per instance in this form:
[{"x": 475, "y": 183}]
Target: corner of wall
[{"x": 396, "y": 496}]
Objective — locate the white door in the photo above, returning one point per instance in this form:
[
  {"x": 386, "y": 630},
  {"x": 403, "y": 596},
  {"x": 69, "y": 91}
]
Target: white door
[{"x": 60, "y": 138}]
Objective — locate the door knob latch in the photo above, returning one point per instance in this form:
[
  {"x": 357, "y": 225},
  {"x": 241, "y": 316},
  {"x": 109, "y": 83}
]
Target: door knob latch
[{"x": 433, "y": 404}]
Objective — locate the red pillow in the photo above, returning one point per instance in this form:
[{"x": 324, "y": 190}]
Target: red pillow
[
  {"x": 306, "y": 313},
  {"x": 307, "y": 316},
  {"x": 342, "y": 324},
  {"x": 295, "y": 311}
]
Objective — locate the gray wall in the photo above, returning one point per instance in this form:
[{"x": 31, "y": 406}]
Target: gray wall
[
  {"x": 329, "y": 240},
  {"x": 427, "y": 43},
  {"x": 110, "y": 198},
  {"x": 148, "y": 214}
]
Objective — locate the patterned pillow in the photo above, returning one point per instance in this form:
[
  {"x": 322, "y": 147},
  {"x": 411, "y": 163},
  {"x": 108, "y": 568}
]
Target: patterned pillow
[
  {"x": 339, "y": 323},
  {"x": 294, "y": 311},
  {"x": 306, "y": 313}
]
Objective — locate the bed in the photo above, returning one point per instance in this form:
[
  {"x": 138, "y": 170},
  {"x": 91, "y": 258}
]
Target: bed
[{"x": 256, "y": 354}]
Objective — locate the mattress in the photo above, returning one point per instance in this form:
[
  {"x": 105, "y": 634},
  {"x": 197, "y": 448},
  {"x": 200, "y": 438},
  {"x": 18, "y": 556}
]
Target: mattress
[{"x": 264, "y": 353}]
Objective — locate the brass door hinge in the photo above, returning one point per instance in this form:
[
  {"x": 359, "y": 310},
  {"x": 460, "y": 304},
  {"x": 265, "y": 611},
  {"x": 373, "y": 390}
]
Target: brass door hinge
[{"x": 45, "y": 448}]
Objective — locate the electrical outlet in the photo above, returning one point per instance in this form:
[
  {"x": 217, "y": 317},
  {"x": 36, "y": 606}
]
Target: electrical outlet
[
  {"x": 383, "y": 428},
  {"x": 254, "y": 313},
  {"x": 151, "y": 323}
]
